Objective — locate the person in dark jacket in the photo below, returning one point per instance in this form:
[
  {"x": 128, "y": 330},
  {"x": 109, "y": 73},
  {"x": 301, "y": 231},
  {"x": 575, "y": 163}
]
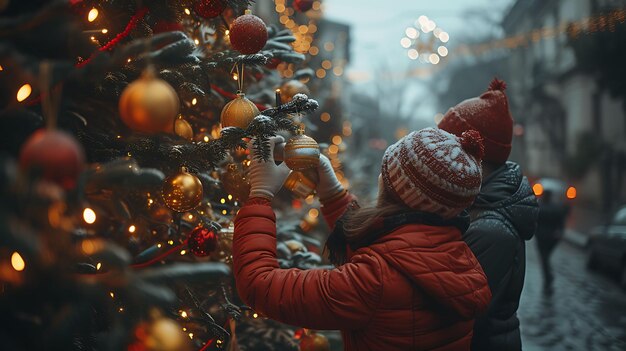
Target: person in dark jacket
[
  {"x": 550, "y": 228},
  {"x": 504, "y": 216}
]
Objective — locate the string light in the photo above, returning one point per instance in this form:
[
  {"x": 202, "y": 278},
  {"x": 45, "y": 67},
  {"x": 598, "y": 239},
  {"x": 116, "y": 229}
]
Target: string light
[
  {"x": 89, "y": 215},
  {"x": 92, "y": 15},
  {"x": 105, "y": 31},
  {"x": 187, "y": 12},
  {"x": 132, "y": 228},
  {"x": 190, "y": 335},
  {"x": 230, "y": 197},
  {"x": 112, "y": 294},
  {"x": 255, "y": 315},
  {"x": 235, "y": 76},
  {"x": 98, "y": 266},
  {"x": 194, "y": 101},
  {"x": 170, "y": 242},
  {"x": 183, "y": 314},
  {"x": 222, "y": 200},
  {"x": 183, "y": 252},
  {"x": 24, "y": 92},
  {"x": 17, "y": 262}
]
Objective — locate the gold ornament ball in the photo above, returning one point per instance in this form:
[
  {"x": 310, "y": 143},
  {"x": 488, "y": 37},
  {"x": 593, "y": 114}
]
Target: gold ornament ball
[
  {"x": 149, "y": 105},
  {"x": 291, "y": 88},
  {"x": 314, "y": 342},
  {"x": 182, "y": 192},
  {"x": 302, "y": 184},
  {"x": 165, "y": 334},
  {"x": 183, "y": 129},
  {"x": 302, "y": 152},
  {"x": 295, "y": 246},
  {"x": 239, "y": 112}
]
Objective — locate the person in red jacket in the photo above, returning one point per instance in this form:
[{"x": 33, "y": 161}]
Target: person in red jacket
[{"x": 404, "y": 279}]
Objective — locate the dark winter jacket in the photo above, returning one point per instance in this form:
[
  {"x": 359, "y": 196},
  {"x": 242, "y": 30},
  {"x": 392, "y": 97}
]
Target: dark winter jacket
[
  {"x": 504, "y": 215},
  {"x": 416, "y": 288}
]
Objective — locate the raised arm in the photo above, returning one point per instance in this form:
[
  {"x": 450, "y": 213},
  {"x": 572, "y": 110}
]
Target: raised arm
[{"x": 342, "y": 298}]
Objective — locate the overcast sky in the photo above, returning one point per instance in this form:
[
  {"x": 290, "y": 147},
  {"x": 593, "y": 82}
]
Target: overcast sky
[{"x": 377, "y": 27}]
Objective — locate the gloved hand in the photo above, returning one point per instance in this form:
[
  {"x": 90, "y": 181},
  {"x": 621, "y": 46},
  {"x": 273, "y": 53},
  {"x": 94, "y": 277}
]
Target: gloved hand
[
  {"x": 328, "y": 186},
  {"x": 266, "y": 178}
]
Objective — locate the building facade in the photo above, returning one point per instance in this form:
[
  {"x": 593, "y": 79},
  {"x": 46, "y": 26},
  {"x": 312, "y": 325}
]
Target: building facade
[{"x": 571, "y": 126}]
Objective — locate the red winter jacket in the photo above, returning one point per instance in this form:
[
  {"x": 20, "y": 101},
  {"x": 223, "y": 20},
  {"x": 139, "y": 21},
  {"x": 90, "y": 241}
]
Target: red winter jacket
[{"x": 416, "y": 288}]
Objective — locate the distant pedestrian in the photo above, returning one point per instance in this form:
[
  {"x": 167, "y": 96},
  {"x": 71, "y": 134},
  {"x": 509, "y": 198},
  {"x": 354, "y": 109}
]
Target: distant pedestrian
[
  {"x": 504, "y": 216},
  {"x": 550, "y": 228}
]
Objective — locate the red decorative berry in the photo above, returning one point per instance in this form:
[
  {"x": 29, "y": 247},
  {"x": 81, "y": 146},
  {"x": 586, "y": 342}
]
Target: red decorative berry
[
  {"x": 303, "y": 5},
  {"x": 248, "y": 34},
  {"x": 202, "y": 241},
  {"x": 273, "y": 63},
  {"x": 210, "y": 8},
  {"x": 166, "y": 26},
  {"x": 57, "y": 155},
  {"x": 472, "y": 143}
]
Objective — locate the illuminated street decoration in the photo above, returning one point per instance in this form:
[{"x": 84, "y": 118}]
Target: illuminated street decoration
[{"x": 425, "y": 41}]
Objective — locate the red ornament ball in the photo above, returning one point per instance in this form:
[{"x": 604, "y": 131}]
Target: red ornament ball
[
  {"x": 202, "y": 241},
  {"x": 248, "y": 34},
  {"x": 210, "y": 8},
  {"x": 56, "y": 154},
  {"x": 303, "y": 5}
]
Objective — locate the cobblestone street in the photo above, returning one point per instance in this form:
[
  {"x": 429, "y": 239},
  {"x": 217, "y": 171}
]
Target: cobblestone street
[{"x": 587, "y": 310}]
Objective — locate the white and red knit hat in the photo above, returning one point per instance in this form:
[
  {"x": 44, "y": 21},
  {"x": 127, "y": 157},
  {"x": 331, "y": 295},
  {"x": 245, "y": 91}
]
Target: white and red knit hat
[{"x": 434, "y": 171}]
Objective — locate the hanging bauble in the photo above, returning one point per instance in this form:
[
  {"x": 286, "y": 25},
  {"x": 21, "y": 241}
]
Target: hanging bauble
[
  {"x": 302, "y": 152},
  {"x": 202, "y": 241},
  {"x": 209, "y": 8},
  {"x": 295, "y": 246},
  {"x": 248, "y": 34},
  {"x": 162, "y": 334},
  {"x": 57, "y": 155},
  {"x": 182, "y": 191},
  {"x": 312, "y": 341},
  {"x": 291, "y": 88},
  {"x": 303, "y": 5},
  {"x": 302, "y": 184},
  {"x": 149, "y": 105},
  {"x": 239, "y": 112},
  {"x": 235, "y": 183},
  {"x": 166, "y": 26},
  {"x": 183, "y": 129}
]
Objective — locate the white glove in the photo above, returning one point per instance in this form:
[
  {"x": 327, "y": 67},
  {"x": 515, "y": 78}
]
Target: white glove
[
  {"x": 329, "y": 185},
  {"x": 266, "y": 178}
]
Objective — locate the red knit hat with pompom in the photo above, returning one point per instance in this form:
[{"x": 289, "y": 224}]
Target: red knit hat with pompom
[
  {"x": 488, "y": 114},
  {"x": 434, "y": 171}
]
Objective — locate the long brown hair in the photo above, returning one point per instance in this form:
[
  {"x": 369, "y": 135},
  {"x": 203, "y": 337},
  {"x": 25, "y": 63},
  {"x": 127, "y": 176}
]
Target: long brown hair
[{"x": 356, "y": 226}]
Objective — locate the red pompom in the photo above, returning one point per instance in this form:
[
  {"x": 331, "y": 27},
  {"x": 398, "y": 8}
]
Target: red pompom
[
  {"x": 303, "y": 5},
  {"x": 472, "y": 143},
  {"x": 202, "y": 241},
  {"x": 56, "y": 154},
  {"x": 497, "y": 84},
  {"x": 210, "y": 8},
  {"x": 167, "y": 26},
  {"x": 248, "y": 34}
]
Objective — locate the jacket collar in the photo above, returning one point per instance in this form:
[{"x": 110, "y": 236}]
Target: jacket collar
[{"x": 337, "y": 242}]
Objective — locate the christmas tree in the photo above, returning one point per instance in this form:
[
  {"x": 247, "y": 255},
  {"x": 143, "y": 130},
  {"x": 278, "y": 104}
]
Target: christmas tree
[{"x": 123, "y": 164}]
